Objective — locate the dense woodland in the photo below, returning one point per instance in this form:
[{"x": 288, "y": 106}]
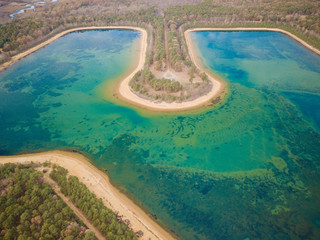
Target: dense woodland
[
  {"x": 109, "y": 224},
  {"x": 30, "y": 209}
]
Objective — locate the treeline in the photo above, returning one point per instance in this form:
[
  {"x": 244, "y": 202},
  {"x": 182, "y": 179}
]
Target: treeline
[
  {"x": 302, "y": 16},
  {"x": 29, "y": 208},
  {"x": 175, "y": 53},
  {"x": 18, "y": 32},
  {"x": 111, "y": 225},
  {"x": 159, "y": 56},
  {"x": 303, "y": 13},
  {"x": 179, "y": 15}
]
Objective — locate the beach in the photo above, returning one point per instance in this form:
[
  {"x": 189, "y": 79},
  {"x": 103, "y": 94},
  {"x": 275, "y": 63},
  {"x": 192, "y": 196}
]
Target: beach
[{"x": 98, "y": 183}]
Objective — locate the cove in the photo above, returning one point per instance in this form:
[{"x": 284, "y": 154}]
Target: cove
[{"x": 247, "y": 169}]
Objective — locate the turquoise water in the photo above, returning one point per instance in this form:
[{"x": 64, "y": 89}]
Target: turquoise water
[{"x": 247, "y": 169}]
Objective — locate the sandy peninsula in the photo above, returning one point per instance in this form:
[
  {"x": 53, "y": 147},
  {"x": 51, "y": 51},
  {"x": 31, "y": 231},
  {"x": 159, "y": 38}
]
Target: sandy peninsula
[
  {"x": 125, "y": 93},
  {"x": 98, "y": 183}
]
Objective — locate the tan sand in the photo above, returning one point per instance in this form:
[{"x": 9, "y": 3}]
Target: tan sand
[
  {"x": 126, "y": 94},
  {"x": 98, "y": 183},
  {"x": 260, "y": 29}
]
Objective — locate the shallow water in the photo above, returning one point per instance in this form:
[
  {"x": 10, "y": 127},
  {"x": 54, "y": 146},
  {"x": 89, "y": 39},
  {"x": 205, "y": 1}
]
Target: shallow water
[{"x": 248, "y": 169}]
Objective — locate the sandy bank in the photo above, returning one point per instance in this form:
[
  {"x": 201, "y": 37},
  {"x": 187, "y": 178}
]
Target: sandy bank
[
  {"x": 260, "y": 29},
  {"x": 98, "y": 183},
  {"x": 125, "y": 93},
  {"x": 41, "y": 45}
]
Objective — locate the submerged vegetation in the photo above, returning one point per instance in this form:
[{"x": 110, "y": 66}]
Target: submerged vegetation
[{"x": 247, "y": 169}]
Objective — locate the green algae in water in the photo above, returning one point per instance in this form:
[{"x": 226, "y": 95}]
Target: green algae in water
[{"x": 248, "y": 169}]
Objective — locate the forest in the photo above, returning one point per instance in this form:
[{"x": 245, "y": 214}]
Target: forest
[
  {"x": 30, "y": 209},
  {"x": 110, "y": 224}
]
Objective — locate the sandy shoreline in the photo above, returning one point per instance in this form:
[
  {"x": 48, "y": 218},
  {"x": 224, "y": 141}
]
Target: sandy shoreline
[
  {"x": 307, "y": 45},
  {"x": 98, "y": 183}
]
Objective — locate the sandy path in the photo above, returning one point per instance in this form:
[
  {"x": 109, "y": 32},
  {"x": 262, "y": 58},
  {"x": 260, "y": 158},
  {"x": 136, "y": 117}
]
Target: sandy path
[
  {"x": 98, "y": 183},
  {"x": 76, "y": 210}
]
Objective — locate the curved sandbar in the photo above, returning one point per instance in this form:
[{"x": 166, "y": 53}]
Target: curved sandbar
[
  {"x": 125, "y": 93},
  {"x": 259, "y": 29},
  {"x": 98, "y": 183},
  {"x": 45, "y": 43}
]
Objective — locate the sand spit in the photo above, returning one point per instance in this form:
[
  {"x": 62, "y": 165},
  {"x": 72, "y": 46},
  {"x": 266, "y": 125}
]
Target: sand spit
[
  {"x": 125, "y": 93},
  {"x": 98, "y": 183}
]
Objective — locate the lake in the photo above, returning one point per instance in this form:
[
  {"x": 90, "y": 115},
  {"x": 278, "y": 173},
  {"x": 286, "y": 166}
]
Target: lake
[{"x": 245, "y": 169}]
